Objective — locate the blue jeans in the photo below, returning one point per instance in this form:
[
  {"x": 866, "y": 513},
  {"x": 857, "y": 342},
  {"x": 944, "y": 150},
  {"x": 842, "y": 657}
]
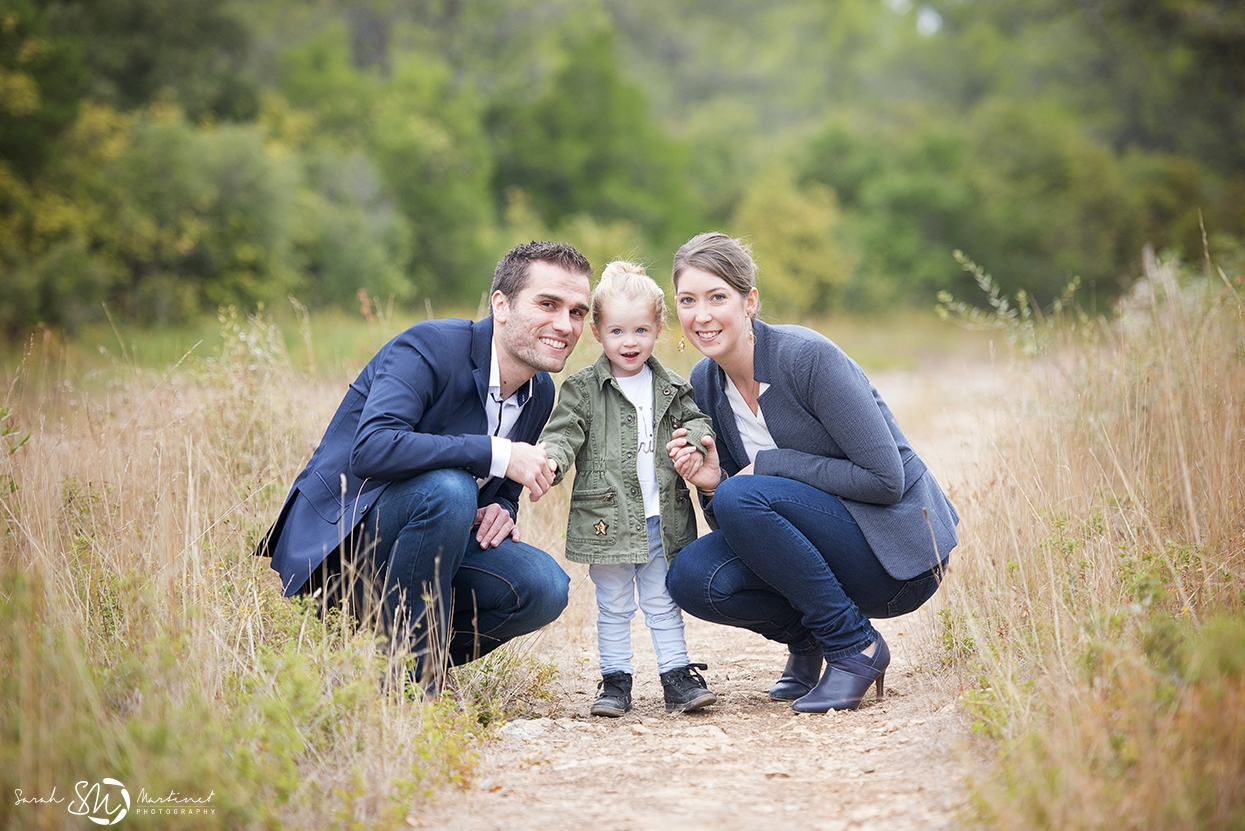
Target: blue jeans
[
  {"x": 434, "y": 589},
  {"x": 790, "y": 563},
  {"x": 617, "y": 585}
]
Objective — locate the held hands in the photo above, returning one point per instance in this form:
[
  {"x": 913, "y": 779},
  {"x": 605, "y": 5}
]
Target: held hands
[
  {"x": 531, "y": 467},
  {"x": 702, "y": 470}
]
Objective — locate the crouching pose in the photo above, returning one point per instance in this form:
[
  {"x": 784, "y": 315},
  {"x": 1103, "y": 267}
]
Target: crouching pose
[{"x": 405, "y": 513}]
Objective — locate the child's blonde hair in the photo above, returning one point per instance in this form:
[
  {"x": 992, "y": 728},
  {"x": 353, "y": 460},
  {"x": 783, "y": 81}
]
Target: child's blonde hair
[{"x": 622, "y": 280}]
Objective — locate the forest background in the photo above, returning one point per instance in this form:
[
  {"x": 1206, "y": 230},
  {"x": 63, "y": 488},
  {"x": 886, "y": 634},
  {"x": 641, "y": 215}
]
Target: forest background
[
  {"x": 160, "y": 160},
  {"x": 164, "y": 160}
]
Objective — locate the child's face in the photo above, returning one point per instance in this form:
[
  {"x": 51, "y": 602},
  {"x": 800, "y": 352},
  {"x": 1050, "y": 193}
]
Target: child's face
[{"x": 628, "y": 332}]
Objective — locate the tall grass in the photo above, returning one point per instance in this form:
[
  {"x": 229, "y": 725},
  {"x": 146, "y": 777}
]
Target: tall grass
[
  {"x": 1096, "y": 610},
  {"x": 142, "y": 641}
]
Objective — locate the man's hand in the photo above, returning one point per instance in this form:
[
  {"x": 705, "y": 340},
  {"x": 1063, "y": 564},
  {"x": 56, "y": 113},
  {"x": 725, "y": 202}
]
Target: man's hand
[
  {"x": 493, "y": 524},
  {"x": 529, "y": 466},
  {"x": 553, "y": 470}
]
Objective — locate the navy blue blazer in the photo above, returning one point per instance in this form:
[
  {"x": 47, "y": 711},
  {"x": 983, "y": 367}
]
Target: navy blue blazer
[
  {"x": 834, "y": 432},
  {"x": 418, "y": 405}
]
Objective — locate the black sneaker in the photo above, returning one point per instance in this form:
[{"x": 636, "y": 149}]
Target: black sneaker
[
  {"x": 613, "y": 695},
  {"x": 686, "y": 690}
]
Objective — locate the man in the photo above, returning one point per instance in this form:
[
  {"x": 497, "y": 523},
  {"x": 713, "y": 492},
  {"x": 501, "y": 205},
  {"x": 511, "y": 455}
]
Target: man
[{"x": 406, "y": 511}]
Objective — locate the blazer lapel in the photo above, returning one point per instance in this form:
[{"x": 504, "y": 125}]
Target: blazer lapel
[{"x": 482, "y": 356}]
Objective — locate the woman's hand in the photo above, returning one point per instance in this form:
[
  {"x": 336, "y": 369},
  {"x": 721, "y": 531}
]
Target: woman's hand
[{"x": 701, "y": 470}]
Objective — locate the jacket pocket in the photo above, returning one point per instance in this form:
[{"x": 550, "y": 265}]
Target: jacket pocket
[
  {"x": 328, "y": 502},
  {"x": 594, "y": 518}
]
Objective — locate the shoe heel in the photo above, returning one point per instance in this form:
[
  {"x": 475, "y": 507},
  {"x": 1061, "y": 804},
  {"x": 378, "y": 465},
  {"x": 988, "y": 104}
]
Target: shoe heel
[{"x": 881, "y": 678}]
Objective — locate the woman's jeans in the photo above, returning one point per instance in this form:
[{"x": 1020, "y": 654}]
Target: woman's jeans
[
  {"x": 418, "y": 572},
  {"x": 617, "y": 585},
  {"x": 790, "y": 563}
]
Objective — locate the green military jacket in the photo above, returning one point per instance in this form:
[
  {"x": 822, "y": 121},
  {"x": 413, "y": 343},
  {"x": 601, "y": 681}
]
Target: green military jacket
[{"x": 594, "y": 424}]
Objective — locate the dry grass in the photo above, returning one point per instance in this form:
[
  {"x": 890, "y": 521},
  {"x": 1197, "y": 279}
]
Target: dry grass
[
  {"x": 1096, "y": 612},
  {"x": 141, "y": 640}
]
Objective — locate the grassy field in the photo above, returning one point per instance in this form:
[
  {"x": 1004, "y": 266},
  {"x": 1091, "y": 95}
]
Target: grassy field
[
  {"x": 1094, "y": 614},
  {"x": 1097, "y": 610}
]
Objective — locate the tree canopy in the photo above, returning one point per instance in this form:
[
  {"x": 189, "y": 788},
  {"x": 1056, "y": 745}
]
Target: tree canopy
[{"x": 163, "y": 158}]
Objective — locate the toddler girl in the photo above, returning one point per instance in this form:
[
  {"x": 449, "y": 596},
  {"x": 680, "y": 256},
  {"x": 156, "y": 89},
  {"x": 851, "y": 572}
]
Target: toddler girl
[{"x": 630, "y": 511}]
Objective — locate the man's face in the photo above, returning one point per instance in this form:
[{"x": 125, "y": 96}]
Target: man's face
[{"x": 540, "y": 325}]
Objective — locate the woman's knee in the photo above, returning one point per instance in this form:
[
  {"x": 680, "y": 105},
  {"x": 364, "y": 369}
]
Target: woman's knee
[{"x": 733, "y": 495}]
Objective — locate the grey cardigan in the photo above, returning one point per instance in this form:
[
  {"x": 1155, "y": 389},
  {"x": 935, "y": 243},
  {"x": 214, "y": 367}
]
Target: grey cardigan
[{"x": 835, "y": 432}]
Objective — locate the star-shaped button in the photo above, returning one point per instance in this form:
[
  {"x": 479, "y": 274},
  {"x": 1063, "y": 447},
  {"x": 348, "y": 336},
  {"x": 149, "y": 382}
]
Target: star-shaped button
[{"x": 601, "y": 527}]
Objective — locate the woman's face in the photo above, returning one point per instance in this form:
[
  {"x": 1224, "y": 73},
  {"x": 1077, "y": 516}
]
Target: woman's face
[{"x": 714, "y": 315}]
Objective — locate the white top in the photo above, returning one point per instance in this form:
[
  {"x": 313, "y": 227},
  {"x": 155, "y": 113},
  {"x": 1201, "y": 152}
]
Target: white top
[
  {"x": 639, "y": 391},
  {"x": 502, "y": 416},
  {"x": 752, "y": 429}
]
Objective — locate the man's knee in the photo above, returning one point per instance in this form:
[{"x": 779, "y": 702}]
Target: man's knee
[
  {"x": 550, "y": 592},
  {"x": 442, "y": 495}
]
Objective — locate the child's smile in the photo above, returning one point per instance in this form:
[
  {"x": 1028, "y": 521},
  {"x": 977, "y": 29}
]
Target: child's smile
[{"x": 627, "y": 332}]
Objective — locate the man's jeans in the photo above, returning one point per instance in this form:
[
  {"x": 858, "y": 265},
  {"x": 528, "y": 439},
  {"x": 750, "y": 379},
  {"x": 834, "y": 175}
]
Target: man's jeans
[
  {"x": 617, "y": 585},
  {"x": 790, "y": 563},
  {"x": 417, "y": 553}
]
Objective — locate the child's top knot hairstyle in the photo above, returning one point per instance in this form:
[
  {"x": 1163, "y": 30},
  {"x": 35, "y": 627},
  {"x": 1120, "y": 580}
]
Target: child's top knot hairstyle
[{"x": 622, "y": 280}]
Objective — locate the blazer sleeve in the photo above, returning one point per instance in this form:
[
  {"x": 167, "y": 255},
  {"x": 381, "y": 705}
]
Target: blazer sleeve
[
  {"x": 388, "y": 444},
  {"x": 567, "y": 430},
  {"x": 837, "y": 393}
]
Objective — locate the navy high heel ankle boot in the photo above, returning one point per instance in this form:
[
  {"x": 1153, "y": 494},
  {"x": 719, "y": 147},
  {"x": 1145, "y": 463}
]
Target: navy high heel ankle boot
[
  {"x": 798, "y": 677},
  {"x": 846, "y": 681}
]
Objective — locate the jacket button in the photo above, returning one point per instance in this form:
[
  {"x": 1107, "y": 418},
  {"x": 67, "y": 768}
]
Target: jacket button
[
  {"x": 637, "y": 528},
  {"x": 633, "y": 491},
  {"x": 666, "y": 391}
]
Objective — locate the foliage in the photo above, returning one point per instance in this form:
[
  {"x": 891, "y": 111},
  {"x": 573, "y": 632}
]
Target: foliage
[
  {"x": 586, "y": 145},
  {"x": 385, "y": 146},
  {"x": 798, "y": 243},
  {"x": 143, "y": 640},
  {"x": 1100, "y": 591}
]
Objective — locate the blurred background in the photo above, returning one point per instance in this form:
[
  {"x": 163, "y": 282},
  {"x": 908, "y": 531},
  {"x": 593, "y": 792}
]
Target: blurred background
[{"x": 160, "y": 159}]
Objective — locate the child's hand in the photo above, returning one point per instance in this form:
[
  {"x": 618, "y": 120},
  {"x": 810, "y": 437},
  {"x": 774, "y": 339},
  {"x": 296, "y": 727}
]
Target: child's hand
[
  {"x": 533, "y": 496},
  {"x": 700, "y": 469},
  {"x": 691, "y": 465}
]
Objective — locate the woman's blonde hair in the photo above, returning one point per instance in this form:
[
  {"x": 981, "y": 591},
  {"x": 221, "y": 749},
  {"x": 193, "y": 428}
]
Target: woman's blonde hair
[{"x": 622, "y": 280}]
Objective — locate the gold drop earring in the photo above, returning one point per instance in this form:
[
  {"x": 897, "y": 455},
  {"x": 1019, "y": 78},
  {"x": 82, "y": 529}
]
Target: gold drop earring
[
  {"x": 682, "y": 344},
  {"x": 752, "y": 335}
]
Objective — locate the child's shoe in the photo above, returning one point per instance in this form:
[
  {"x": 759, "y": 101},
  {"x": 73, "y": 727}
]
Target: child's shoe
[
  {"x": 686, "y": 690},
  {"x": 613, "y": 696}
]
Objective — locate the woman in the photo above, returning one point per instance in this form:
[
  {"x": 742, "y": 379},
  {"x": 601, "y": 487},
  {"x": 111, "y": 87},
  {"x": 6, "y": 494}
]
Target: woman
[{"x": 823, "y": 515}]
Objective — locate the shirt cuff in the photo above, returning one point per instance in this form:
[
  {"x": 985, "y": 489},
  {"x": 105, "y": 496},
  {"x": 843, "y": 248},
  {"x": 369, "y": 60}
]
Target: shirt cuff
[{"x": 501, "y": 456}]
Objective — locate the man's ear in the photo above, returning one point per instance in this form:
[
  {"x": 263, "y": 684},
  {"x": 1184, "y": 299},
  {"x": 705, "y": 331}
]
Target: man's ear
[{"x": 500, "y": 305}]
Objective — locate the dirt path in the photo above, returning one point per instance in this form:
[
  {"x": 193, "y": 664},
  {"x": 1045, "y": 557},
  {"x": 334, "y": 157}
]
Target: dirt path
[{"x": 747, "y": 762}]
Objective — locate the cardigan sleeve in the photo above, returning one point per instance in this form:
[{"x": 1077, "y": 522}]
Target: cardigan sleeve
[{"x": 832, "y": 389}]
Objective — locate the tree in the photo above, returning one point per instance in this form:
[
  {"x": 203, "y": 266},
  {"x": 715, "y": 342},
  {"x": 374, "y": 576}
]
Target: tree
[
  {"x": 134, "y": 51},
  {"x": 795, "y": 236},
  {"x": 586, "y": 145}
]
